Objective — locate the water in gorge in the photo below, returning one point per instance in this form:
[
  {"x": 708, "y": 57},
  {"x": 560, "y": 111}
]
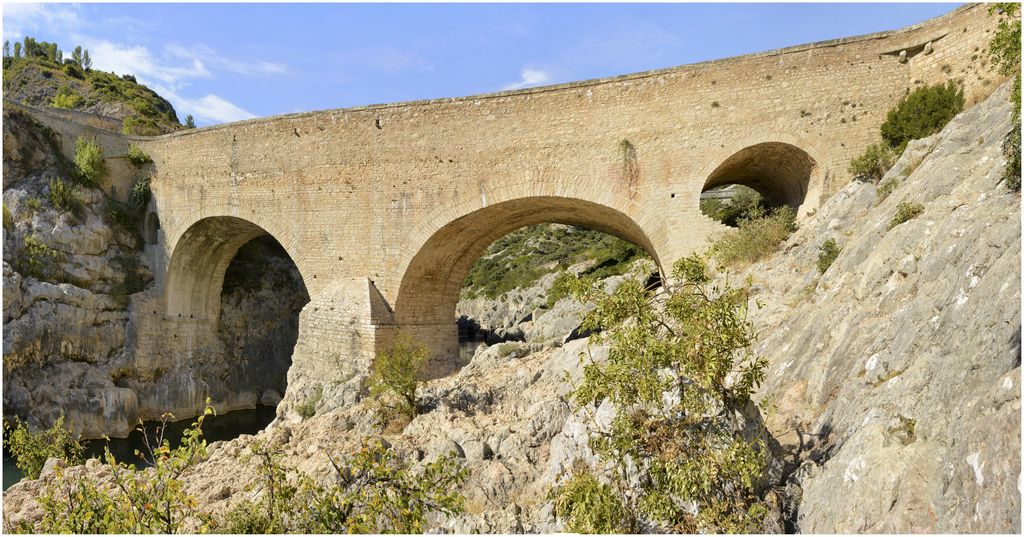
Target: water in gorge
[{"x": 215, "y": 428}]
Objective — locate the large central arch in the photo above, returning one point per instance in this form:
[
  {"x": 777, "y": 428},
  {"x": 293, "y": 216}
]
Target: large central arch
[{"x": 431, "y": 283}]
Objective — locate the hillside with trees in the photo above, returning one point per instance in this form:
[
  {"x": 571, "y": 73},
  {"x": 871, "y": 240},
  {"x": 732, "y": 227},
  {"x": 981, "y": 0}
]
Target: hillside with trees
[{"x": 39, "y": 73}]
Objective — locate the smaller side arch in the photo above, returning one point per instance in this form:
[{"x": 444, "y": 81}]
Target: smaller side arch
[{"x": 779, "y": 171}]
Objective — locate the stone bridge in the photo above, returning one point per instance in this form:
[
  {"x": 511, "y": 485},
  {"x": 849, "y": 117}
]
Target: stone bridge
[{"x": 384, "y": 208}]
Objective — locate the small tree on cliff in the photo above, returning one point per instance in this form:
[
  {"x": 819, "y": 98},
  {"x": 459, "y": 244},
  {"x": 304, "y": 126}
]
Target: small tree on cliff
[{"x": 679, "y": 370}]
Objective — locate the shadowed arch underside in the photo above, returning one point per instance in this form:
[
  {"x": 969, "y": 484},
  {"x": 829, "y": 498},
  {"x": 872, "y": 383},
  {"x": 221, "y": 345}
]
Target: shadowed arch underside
[
  {"x": 780, "y": 172},
  {"x": 431, "y": 283},
  {"x": 195, "y": 275}
]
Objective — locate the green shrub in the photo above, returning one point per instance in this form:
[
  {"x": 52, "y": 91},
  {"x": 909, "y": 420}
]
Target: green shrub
[
  {"x": 31, "y": 449},
  {"x": 152, "y": 500},
  {"x": 1004, "y": 49},
  {"x": 701, "y": 475},
  {"x": 1011, "y": 149},
  {"x": 33, "y": 204},
  {"x": 140, "y": 193},
  {"x": 589, "y": 506},
  {"x": 372, "y": 491},
  {"x": 63, "y": 197},
  {"x": 827, "y": 253},
  {"x": 874, "y": 162},
  {"x": 66, "y": 98},
  {"x": 922, "y": 113},
  {"x": 8, "y": 219},
  {"x": 307, "y": 409},
  {"x": 905, "y": 211},
  {"x": 757, "y": 237},
  {"x": 137, "y": 156},
  {"x": 395, "y": 379},
  {"x": 39, "y": 260},
  {"x": 89, "y": 161},
  {"x": 745, "y": 202},
  {"x": 883, "y": 190}
]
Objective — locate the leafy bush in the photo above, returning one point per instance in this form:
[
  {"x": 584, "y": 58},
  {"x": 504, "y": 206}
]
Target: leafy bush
[
  {"x": 31, "y": 449},
  {"x": 745, "y": 202},
  {"x": 757, "y": 237},
  {"x": 395, "y": 378},
  {"x": 137, "y": 156},
  {"x": 307, "y": 409},
  {"x": 1004, "y": 49},
  {"x": 373, "y": 493},
  {"x": 827, "y": 253},
  {"x": 883, "y": 190},
  {"x": 589, "y": 506},
  {"x": 33, "y": 204},
  {"x": 66, "y": 98},
  {"x": 679, "y": 368},
  {"x": 39, "y": 260},
  {"x": 905, "y": 211},
  {"x": 8, "y": 219},
  {"x": 63, "y": 197},
  {"x": 922, "y": 113},
  {"x": 142, "y": 501},
  {"x": 140, "y": 193},
  {"x": 89, "y": 161},
  {"x": 872, "y": 165}
]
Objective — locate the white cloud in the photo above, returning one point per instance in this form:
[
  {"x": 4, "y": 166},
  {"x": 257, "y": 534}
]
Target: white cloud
[
  {"x": 207, "y": 109},
  {"x": 207, "y": 54},
  {"x": 139, "y": 61},
  {"x": 530, "y": 77},
  {"x": 21, "y": 19}
]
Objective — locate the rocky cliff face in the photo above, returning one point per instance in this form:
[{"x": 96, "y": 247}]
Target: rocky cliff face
[{"x": 896, "y": 373}]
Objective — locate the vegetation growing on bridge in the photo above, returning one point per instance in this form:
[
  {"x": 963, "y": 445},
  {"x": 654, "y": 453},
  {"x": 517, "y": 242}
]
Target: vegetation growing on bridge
[{"x": 694, "y": 343}]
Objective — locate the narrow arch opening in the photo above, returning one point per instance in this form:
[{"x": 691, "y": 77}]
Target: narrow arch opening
[
  {"x": 239, "y": 283},
  {"x": 261, "y": 298},
  {"x": 767, "y": 175},
  {"x": 432, "y": 282}
]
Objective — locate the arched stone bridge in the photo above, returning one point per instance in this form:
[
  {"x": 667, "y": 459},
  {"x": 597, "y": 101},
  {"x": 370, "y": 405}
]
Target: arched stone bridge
[{"x": 384, "y": 208}]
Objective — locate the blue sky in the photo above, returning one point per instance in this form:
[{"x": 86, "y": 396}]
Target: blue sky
[{"x": 227, "y": 62}]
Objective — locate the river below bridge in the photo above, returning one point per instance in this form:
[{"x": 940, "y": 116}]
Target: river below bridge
[{"x": 215, "y": 428}]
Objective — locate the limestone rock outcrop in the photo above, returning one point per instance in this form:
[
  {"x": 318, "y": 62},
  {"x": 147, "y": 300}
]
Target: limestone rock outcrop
[{"x": 896, "y": 373}]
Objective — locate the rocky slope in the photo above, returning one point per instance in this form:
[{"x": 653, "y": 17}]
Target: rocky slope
[
  {"x": 36, "y": 81},
  {"x": 896, "y": 374},
  {"x": 894, "y": 380}
]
